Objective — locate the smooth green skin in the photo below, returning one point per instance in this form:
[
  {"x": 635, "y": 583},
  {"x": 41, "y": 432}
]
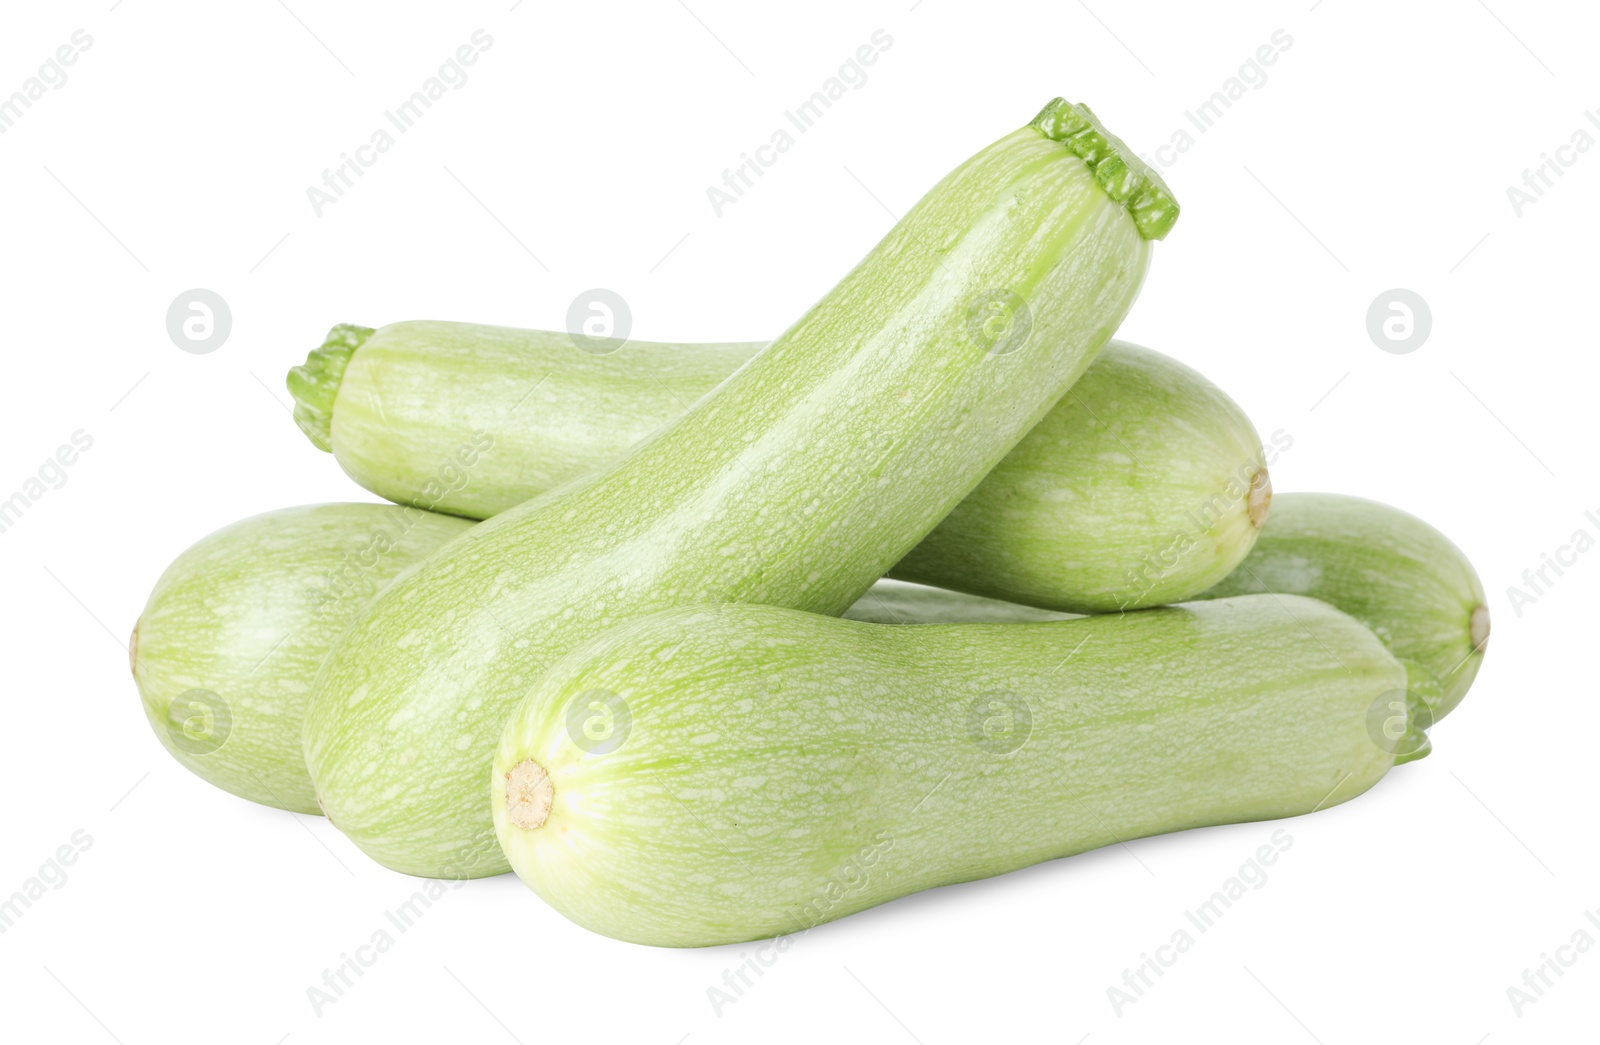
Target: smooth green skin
[
  {"x": 747, "y": 771},
  {"x": 798, "y": 482},
  {"x": 246, "y": 616},
  {"x": 1134, "y": 490},
  {"x": 1388, "y": 569},
  {"x": 1143, "y": 486}
]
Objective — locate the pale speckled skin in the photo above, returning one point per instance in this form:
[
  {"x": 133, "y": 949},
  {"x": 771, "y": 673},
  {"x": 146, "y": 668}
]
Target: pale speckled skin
[
  {"x": 798, "y": 482},
  {"x": 782, "y": 769},
  {"x": 1132, "y": 492},
  {"x": 240, "y": 614},
  {"x": 415, "y": 393},
  {"x": 244, "y": 615},
  {"x": 1390, "y": 570}
]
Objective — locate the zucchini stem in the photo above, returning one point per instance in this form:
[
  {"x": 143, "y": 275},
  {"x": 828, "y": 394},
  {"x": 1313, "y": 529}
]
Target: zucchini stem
[
  {"x": 1260, "y": 498},
  {"x": 529, "y": 795},
  {"x": 315, "y": 383},
  {"x": 1124, "y": 177},
  {"x": 1479, "y": 626}
]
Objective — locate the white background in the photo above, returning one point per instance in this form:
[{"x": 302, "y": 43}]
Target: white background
[{"x": 1377, "y": 154}]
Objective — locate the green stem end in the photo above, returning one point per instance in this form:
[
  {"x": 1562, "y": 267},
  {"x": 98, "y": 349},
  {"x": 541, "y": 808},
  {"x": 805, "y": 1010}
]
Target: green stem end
[
  {"x": 315, "y": 383},
  {"x": 1125, "y": 178}
]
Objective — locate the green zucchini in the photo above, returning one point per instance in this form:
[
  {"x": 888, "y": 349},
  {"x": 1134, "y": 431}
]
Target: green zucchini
[
  {"x": 233, "y": 633},
  {"x": 1145, "y": 484},
  {"x": 517, "y": 412},
  {"x": 229, "y": 643},
  {"x": 797, "y": 482},
  {"x": 713, "y": 775},
  {"x": 1390, "y": 570},
  {"x": 227, "y": 647}
]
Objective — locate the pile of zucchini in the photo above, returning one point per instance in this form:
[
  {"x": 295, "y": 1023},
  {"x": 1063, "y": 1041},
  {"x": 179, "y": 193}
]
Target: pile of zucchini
[{"x": 665, "y": 680}]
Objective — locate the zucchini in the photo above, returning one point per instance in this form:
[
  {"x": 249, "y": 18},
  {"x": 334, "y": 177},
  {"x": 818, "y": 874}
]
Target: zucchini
[
  {"x": 712, "y": 775},
  {"x": 229, "y": 643},
  {"x": 234, "y": 631},
  {"x": 1145, "y": 484},
  {"x": 797, "y": 482},
  {"x": 1388, "y": 569},
  {"x": 227, "y": 647},
  {"x": 518, "y": 412}
]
